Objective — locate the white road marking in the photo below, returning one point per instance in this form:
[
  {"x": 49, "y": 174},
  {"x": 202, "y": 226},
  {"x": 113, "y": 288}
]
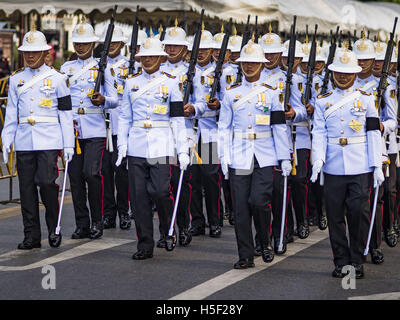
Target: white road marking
[
  {"x": 18, "y": 253},
  {"x": 86, "y": 248},
  {"x": 379, "y": 296},
  {"x": 233, "y": 276}
]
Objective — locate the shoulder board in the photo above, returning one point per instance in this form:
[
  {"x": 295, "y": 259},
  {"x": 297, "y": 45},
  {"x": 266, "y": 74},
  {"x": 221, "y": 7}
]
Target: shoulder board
[
  {"x": 59, "y": 71},
  {"x": 17, "y": 71},
  {"x": 325, "y": 95},
  {"x": 135, "y": 75},
  {"x": 169, "y": 75},
  {"x": 234, "y": 86},
  {"x": 269, "y": 87},
  {"x": 363, "y": 92}
]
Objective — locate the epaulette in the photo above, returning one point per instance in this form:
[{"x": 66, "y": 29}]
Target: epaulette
[
  {"x": 18, "y": 71},
  {"x": 269, "y": 87},
  {"x": 135, "y": 75},
  {"x": 325, "y": 95},
  {"x": 59, "y": 71},
  {"x": 169, "y": 75},
  {"x": 235, "y": 85},
  {"x": 363, "y": 92}
]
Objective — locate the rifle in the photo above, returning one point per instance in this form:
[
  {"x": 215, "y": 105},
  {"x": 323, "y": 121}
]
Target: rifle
[
  {"x": 245, "y": 39},
  {"x": 193, "y": 61},
  {"x": 398, "y": 87},
  {"x": 134, "y": 39},
  {"x": 340, "y": 39},
  {"x": 256, "y": 31},
  {"x": 163, "y": 30},
  {"x": 216, "y": 86},
  {"x": 289, "y": 75},
  {"x": 290, "y": 63},
  {"x": 310, "y": 68},
  {"x": 385, "y": 69},
  {"x": 100, "y": 77},
  {"x": 185, "y": 26},
  {"x": 349, "y": 39},
  {"x": 104, "y": 53},
  {"x": 332, "y": 50}
]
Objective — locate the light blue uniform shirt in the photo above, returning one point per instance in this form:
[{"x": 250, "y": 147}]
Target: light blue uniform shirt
[
  {"x": 41, "y": 135},
  {"x": 351, "y": 159},
  {"x": 89, "y": 125},
  {"x": 156, "y": 141},
  {"x": 250, "y": 117}
]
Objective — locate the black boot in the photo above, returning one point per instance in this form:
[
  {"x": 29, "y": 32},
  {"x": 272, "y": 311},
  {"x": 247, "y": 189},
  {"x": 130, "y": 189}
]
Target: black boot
[
  {"x": 161, "y": 242},
  {"x": 267, "y": 254},
  {"x": 215, "y": 231},
  {"x": 28, "y": 244},
  {"x": 184, "y": 237},
  {"x": 97, "y": 230},
  {"x": 170, "y": 242},
  {"x": 390, "y": 238},
  {"x": 109, "y": 223},
  {"x": 322, "y": 222},
  {"x": 377, "y": 256},
  {"x": 303, "y": 231},
  {"x": 55, "y": 240},
  {"x": 244, "y": 264},
  {"x": 276, "y": 246},
  {"x": 124, "y": 221},
  {"x": 80, "y": 233}
]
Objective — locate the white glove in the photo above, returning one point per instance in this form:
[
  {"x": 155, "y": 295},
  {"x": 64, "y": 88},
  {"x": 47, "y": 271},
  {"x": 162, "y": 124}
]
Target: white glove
[
  {"x": 286, "y": 168},
  {"x": 68, "y": 154},
  {"x": 121, "y": 154},
  {"x": 225, "y": 167},
  {"x": 378, "y": 177},
  {"x": 6, "y": 153},
  {"x": 183, "y": 161},
  {"x": 317, "y": 166}
]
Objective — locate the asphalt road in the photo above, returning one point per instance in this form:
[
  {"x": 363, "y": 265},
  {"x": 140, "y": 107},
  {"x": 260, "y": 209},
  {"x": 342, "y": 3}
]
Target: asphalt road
[{"x": 103, "y": 269}]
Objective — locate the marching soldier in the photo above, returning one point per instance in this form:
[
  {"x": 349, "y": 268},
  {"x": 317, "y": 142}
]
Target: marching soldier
[
  {"x": 39, "y": 123},
  {"x": 347, "y": 145},
  {"x": 90, "y": 133},
  {"x": 151, "y": 119},
  {"x": 116, "y": 177},
  {"x": 315, "y": 213},
  {"x": 176, "y": 47},
  {"x": 252, "y": 113},
  {"x": 367, "y": 82},
  {"x": 207, "y": 174},
  {"x": 297, "y": 117}
]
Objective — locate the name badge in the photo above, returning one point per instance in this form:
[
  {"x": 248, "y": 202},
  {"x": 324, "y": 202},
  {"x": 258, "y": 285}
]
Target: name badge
[
  {"x": 262, "y": 119},
  {"x": 159, "y": 109},
  {"x": 46, "y": 103}
]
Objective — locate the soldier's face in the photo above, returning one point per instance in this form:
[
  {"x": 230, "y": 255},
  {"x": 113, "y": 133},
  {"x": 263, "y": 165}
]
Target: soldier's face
[
  {"x": 34, "y": 59},
  {"x": 274, "y": 60},
  {"x": 216, "y": 53},
  {"x": 251, "y": 69},
  {"x": 366, "y": 65},
  {"x": 297, "y": 61},
  {"x": 233, "y": 56},
  {"x": 151, "y": 63},
  {"x": 344, "y": 80},
  {"x": 115, "y": 49},
  {"x": 175, "y": 52},
  {"x": 319, "y": 66},
  {"x": 84, "y": 50},
  {"x": 377, "y": 68},
  {"x": 204, "y": 56},
  {"x": 303, "y": 67}
]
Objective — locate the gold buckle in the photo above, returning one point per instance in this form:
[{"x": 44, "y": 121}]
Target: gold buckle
[
  {"x": 251, "y": 135},
  {"x": 343, "y": 141},
  {"x": 147, "y": 124},
  {"x": 81, "y": 110},
  {"x": 31, "y": 121}
]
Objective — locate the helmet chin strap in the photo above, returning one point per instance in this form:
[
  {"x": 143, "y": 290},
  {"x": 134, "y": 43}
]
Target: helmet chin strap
[
  {"x": 37, "y": 63},
  {"x": 206, "y": 58},
  {"x": 177, "y": 56},
  {"x": 344, "y": 85},
  {"x": 113, "y": 53},
  {"x": 250, "y": 75},
  {"x": 151, "y": 68},
  {"x": 85, "y": 54}
]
